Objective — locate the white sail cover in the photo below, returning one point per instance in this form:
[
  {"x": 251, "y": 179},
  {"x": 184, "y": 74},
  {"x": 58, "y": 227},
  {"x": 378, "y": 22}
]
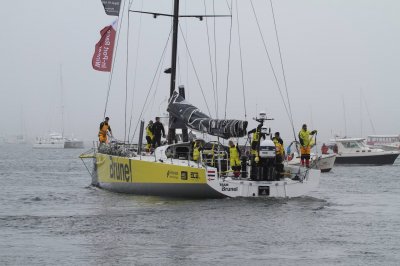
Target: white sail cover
[{"x": 193, "y": 118}]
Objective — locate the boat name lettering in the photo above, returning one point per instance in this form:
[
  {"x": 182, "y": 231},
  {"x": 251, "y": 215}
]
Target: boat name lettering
[
  {"x": 230, "y": 188},
  {"x": 225, "y": 187},
  {"x": 120, "y": 171},
  {"x": 173, "y": 174}
]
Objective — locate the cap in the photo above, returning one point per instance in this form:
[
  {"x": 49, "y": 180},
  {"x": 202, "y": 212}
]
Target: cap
[{"x": 107, "y": 118}]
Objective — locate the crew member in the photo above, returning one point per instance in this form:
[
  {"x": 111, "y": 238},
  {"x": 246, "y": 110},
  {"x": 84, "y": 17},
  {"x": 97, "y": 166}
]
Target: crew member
[
  {"x": 255, "y": 141},
  {"x": 305, "y": 137},
  {"x": 149, "y": 135},
  {"x": 158, "y": 128},
  {"x": 234, "y": 155},
  {"x": 104, "y": 128},
  {"x": 197, "y": 147},
  {"x": 280, "y": 152}
]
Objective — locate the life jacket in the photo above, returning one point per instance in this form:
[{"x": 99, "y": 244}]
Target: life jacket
[
  {"x": 234, "y": 156},
  {"x": 278, "y": 147},
  {"x": 149, "y": 132},
  {"x": 103, "y": 129},
  {"x": 304, "y": 135},
  {"x": 256, "y": 136}
]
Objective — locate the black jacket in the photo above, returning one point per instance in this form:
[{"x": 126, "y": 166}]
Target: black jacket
[{"x": 157, "y": 128}]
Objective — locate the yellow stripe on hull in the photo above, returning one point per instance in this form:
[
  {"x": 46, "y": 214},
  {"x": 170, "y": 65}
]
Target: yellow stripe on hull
[{"x": 115, "y": 169}]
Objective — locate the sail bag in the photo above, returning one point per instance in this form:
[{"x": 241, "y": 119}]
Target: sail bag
[{"x": 193, "y": 118}]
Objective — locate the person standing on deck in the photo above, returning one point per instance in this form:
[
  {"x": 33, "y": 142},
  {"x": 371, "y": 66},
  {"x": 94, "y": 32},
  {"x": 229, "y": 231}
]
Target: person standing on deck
[
  {"x": 280, "y": 152},
  {"x": 255, "y": 141},
  {"x": 149, "y": 135},
  {"x": 104, "y": 128},
  {"x": 234, "y": 158},
  {"x": 158, "y": 128},
  {"x": 305, "y": 137}
]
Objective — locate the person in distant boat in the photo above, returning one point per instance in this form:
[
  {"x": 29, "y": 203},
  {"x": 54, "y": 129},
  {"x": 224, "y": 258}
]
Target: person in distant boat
[
  {"x": 305, "y": 138},
  {"x": 104, "y": 128},
  {"x": 324, "y": 149},
  {"x": 335, "y": 148},
  {"x": 149, "y": 135},
  {"x": 158, "y": 131},
  {"x": 234, "y": 158}
]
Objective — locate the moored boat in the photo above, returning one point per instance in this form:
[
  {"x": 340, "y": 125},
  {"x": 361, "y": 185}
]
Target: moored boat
[
  {"x": 355, "y": 151},
  {"x": 323, "y": 162}
]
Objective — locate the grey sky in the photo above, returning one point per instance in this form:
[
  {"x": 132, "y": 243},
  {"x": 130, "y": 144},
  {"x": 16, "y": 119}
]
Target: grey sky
[{"x": 331, "y": 50}]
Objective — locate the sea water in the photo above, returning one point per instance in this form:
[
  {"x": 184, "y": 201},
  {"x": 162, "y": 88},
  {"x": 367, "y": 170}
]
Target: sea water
[{"x": 50, "y": 215}]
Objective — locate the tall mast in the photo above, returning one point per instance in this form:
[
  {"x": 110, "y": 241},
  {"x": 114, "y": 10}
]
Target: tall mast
[{"x": 171, "y": 131}]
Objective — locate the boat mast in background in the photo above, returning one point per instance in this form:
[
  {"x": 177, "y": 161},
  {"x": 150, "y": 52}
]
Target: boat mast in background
[{"x": 62, "y": 101}]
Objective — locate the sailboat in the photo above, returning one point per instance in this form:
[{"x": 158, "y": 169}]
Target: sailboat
[
  {"x": 171, "y": 171},
  {"x": 56, "y": 140}
]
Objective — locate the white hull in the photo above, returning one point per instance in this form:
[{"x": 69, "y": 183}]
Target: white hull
[
  {"x": 323, "y": 162},
  {"x": 48, "y": 145}
]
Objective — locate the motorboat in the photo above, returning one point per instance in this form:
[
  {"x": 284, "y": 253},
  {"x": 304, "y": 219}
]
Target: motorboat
[
  {"x": 356, "y": 151},
  {"x": 53, "y": 141},
  {"x": 323, "y": 162}
]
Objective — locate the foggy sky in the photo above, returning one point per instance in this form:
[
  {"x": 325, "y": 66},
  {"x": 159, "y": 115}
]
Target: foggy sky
[{"x": 332, "y": 50}]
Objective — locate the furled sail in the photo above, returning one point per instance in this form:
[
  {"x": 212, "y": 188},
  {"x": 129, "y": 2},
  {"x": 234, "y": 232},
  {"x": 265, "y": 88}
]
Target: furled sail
[{"x": 196, "y": 120}]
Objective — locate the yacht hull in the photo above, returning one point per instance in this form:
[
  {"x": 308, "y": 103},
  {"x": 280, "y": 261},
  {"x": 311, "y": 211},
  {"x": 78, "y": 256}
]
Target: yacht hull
[
  {"x": 186, "y": 179},
  {"x": 48, "y": 146}
]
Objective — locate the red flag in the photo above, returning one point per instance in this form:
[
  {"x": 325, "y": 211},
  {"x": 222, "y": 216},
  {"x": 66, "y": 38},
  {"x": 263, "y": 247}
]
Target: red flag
[{"x": 103, "y": 54}]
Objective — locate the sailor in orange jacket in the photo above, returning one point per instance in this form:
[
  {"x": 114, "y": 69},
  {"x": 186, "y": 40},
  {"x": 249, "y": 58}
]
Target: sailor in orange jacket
[{"x": 104, "y": 127}]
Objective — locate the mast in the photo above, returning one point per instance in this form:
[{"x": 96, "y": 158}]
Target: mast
[
  {"x": 171, "y": 131},
  {"x": 62, "y": 101}
]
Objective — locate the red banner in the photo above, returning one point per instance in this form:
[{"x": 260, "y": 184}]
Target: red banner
[{"x": 103, "y": 54}]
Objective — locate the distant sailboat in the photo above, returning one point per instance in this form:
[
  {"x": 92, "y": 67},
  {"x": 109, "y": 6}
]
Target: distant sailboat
[{"x": 56, "y": 140}]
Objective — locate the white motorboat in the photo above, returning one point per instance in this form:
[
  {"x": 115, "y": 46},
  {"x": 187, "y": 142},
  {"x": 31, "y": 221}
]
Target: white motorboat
[
  {"x": 355, "y": 151},
  {"x": 323, "y": 162},
  {"x": 53, "y": 141}
]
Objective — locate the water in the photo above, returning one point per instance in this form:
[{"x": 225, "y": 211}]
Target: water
[{"x": 49, "y": 216}]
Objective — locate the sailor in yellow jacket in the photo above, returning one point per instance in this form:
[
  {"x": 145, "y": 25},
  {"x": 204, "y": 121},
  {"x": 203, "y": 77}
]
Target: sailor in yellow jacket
[
  {"x": 280, "y": 153},
  {"x": 104, "y": 128},
  {"x": 149, "y": 135},
  {"x": 234, "y": 158},
  {"x": 305, "y": 138},
  {"x": 197, "y": 147}
]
